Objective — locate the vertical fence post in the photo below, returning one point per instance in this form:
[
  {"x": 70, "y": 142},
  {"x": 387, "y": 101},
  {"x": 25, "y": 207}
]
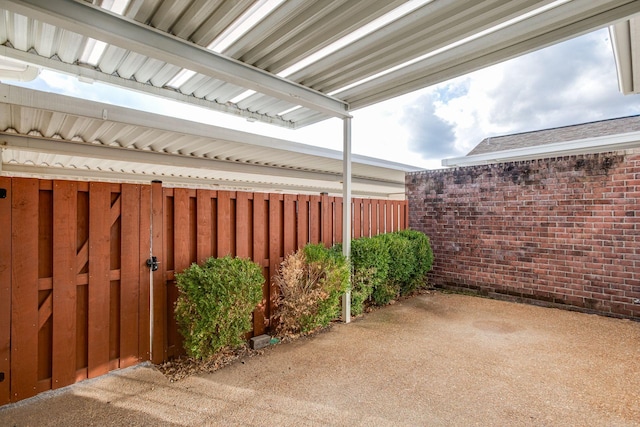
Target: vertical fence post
[
  {"x": 158, "y": 279},
  {"x": 5, "y": 290},
  {"x": 145, "y": 316}
]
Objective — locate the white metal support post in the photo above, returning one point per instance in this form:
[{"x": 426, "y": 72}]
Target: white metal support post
[{"x": 346, "y": 212}]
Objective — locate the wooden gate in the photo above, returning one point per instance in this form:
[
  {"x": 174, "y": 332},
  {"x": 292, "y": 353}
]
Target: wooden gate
[{"x": 74, "y": 293}]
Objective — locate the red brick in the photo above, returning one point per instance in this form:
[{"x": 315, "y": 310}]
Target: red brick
[{"x": 570, "y": 240}]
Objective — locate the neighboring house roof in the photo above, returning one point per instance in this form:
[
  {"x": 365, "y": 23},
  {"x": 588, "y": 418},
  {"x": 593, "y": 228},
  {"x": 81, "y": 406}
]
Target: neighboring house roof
[
  {"x": 559, "y": 134},
  {"x": 592, "y": 137},
  {"x": 49, "y": 135},
  {"x": 305, "y": 60}
]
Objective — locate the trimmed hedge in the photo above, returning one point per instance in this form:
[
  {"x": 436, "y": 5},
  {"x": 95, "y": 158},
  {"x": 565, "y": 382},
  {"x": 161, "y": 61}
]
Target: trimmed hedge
[
  {"x": 216, "y": 300},
  {"x": 391, "y": 264}
]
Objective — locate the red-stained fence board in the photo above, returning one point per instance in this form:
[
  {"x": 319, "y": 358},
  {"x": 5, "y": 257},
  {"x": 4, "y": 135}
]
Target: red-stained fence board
[
  {"x": 327, "y": 221},
  {"x": 275, "y": 246},
  {"x": 260, "y": 255},
  {"x": 144, "y": 299},
  {"x": 339, "y": 220},
  {"x": 375, "y": 217},
  {"x": 290, "y": 240},
  {"x": 24, "y": 289},
  {"x": 5, "y": 291},
  {"x": 181, "y": 244},
  {"x": 203, "y": 227},
  {"x": 129, "y": 274},
  {"x": 181, "y": 229},
  {"x": 99, "y": 283},
  {"x": 64, "y": 283},
  {"x": 243, "y": 226},
  {"x": 224, "y": 223},
  {"x": 314, "y": 219},
  {"x": 366, "y": 221},
  {"x": 405, "y": 217},
  {"x": 389, "y": 210},
  {"x": 357, "y": 218},
  {"x": 158, "y": 284},
  {"x": 303, "y": 221}
]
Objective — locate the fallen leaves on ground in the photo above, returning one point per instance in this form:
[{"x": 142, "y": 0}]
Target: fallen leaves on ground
[{"x": 184, "y": 366}]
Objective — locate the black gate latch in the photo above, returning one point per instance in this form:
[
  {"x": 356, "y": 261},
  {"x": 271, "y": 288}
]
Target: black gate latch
[
  {"x": 3, "y": 193},
  {"x": 153, "y": 263}
]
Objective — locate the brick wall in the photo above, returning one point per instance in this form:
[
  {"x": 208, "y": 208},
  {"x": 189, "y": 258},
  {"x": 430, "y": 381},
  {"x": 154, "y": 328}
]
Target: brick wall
[{"x": 560, "y": 232}]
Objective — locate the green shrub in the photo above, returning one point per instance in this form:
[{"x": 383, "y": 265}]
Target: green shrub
[
  {"x": 384, "y": 293},
  {"x": 311, "y": 282},
  {"x": 421, "y": 247},
  {"x": 372, "y": 254},
  {"x": 395, "y": 264},
  {"x": 361, "y": 289},
  {"x": 361, "y": 284},
  {"x": 214, "y": 306},
  {"x": 403, "y": 262}
]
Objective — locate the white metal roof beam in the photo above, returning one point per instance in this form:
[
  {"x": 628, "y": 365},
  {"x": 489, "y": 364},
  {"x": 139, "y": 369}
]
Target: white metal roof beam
[
  {"x": 111, "y": 79},
  {"x": 90, "y": 21},
  {"x": 56, "y": 146}
]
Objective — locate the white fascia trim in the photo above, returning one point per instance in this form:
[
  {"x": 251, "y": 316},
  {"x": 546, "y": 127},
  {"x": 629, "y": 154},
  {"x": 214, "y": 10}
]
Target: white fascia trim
[
  {"x": 90, "y": 21},
  {"x": 581, "y": 146},
  {"x": 620, "y": 35}
]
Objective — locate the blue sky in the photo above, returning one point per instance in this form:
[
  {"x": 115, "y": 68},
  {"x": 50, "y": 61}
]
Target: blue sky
[{"x": 571, "y": 82}]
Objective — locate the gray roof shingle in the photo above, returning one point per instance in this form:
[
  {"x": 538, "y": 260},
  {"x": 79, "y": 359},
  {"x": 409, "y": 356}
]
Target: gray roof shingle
[{"x": 559, "y": 134}]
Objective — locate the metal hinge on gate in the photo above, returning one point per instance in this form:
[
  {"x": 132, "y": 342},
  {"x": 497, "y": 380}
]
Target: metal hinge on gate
[{"x": 153, "y": 263}]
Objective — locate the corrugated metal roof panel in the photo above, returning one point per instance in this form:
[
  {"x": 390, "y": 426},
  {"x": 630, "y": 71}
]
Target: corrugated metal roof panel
[{"x": 297, "y": 29}]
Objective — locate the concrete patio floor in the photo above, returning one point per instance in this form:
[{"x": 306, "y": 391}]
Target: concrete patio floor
[{"x": 435, "y": 359}]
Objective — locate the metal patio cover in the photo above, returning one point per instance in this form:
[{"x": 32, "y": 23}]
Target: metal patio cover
[
  {"x": 62, "y": 136},
  {"x": 175, "y": 48}
]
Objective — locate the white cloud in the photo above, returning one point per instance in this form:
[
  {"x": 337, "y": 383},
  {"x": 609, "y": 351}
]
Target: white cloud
[{"x": 569, "y": 83}]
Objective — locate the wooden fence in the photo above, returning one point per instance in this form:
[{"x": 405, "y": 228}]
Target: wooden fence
[{"x": 77, "y": 298}]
